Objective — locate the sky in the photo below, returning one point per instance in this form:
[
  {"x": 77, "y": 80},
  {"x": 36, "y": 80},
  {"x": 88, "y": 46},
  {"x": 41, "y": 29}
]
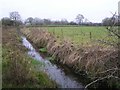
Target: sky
[{"x": 93, "y": 10}]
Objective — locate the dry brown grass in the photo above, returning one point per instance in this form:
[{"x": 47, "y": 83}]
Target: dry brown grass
[
  {"x": 92, "y": 59},
  {"x": 18, "y": 69}
]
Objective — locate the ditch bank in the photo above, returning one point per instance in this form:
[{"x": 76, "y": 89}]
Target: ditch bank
[
  {"x": 55, "y": 73},
  {"x": 18, "y": 69},
  {"x": 95, "y": 62}
]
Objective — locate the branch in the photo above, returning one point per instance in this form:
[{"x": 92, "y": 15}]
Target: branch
[
  {"x": 117, "y": 34},
  {"x": 109, "y": 70},
  {"x": 112, "y": 25},
  {"x": 116, "y": 77},
  {"x": 97, "y": 81},
  {"x": 109, "y": 76}
]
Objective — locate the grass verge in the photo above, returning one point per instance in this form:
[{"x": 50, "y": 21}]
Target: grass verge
[{"x": 19, "y": 70}]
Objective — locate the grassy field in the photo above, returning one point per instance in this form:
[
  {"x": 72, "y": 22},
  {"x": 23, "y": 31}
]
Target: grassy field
[
  {"x": 90, "y": 60},
  {"x": 82, "y": 34},
  {"x": 79, "y": 34}
]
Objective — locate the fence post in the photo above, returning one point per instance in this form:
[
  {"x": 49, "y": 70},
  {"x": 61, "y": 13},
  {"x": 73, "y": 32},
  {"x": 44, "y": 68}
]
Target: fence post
[
  {"x": 54, "y": 31},
  {"x": 90, "y": 35},
  {"x": 62, "y": 37}
]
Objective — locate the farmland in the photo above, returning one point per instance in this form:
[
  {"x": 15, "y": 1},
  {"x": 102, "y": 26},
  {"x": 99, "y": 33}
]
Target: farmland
[
  {"x": 80, "y": 35},
  {"x": 62, "y": 44}
]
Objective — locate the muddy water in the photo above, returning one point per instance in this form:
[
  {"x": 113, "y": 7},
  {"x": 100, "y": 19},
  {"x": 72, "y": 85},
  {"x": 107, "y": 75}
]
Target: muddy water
[{"x": 54, "y": 72}]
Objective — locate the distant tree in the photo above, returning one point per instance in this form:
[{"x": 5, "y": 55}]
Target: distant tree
[
  {"x": 72, "y": 23},
  {"x": 110, "y": 21},
  {"x": 56, "y": 22},
  {"x": 86, "y": 21},
  {"x": 15, "y": 17},
  {"x": 7, "y": 21},
  {"x": 38, "y": 21},
  {"x": 47, "y": 21},
  {"x": 29, "y": 21},
  {"x": 106, "y": 21},
  {"x": 64, "y": 21},
  {"x": 79, "y": 19}
]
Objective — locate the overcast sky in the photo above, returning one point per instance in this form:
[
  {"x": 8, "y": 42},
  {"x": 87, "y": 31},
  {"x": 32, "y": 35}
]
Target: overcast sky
[{"x": 93, "y": 10}]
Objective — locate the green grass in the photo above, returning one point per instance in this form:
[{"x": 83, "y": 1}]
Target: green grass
[
  {"x": 84, "y": 35},
  {"x": 18, "y": 69},
  {"x": 43, "y": 50},
  {"x": 81, "y": 34}
]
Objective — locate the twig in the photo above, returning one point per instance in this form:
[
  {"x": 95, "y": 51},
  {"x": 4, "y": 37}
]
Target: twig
[
  {"x": 111, "y": 26},
  {"x": 109, "y": 76},
  {"x": 97, "y": 81},
  {"x": 116, "y": 77},
  {"x": 108, "y": 70}
]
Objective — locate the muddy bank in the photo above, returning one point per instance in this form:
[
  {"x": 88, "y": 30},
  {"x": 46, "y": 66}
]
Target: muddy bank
[{"x": 90, "y": 61}]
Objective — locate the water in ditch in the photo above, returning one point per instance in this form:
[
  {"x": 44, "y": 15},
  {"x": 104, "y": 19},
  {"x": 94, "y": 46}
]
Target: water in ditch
[{"x": 53, "y": 71}]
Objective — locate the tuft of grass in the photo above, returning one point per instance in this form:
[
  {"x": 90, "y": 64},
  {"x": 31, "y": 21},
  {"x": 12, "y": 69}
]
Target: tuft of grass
[
  {"x": 45, "y": 82},
  {"x": 43, "y": 50},
  {"x": 51, "y": 58}
]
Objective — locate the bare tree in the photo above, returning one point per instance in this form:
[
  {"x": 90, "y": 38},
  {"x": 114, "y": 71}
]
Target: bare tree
[
  {"x": 15, "y": 16},
  {"x": 29, "y": 21},
  {"x": 38, "y": 21},
  {"x": 106, "y": 21},
  {"x": 47, "y": 21},
  {"x": 64, "y": 21},
  {"x": 79, "y": 18},
  {"x": 113, "y": 31}
]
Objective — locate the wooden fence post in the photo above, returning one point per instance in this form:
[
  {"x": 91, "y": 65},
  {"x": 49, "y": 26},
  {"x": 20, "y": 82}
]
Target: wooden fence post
[
  {"x": 90, "y": 35},
  {"x": 62, "y": 37}
]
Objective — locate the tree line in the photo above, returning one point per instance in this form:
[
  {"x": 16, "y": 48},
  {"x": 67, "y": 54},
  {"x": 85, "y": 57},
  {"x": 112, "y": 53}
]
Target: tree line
[{"x": 14, "y": 19}]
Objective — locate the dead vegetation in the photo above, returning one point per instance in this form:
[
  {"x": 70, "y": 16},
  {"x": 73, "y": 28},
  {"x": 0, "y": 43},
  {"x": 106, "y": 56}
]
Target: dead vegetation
[
  {"x": 96, "y": 61},
  {"x": 18, "y": 70}
]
